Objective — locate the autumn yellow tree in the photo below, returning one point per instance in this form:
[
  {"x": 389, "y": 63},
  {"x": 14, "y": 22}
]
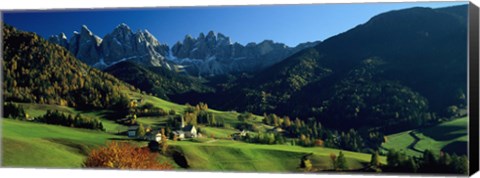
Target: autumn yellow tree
[{"x": 121, "y": 155}]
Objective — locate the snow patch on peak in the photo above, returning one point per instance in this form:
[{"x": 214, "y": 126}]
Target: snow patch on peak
[
  {"x": 147, "y": 32},
  {"x": 63, "y": 36},
  {"x": 86, "y": 30},
  {"x": 98, "y": 39},
  {"x": 122, "y": 25}
]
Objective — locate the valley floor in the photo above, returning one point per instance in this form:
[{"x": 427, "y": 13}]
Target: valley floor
[
  {"x": 27, "y": 144},
  {"x": 30, "y": 144}
]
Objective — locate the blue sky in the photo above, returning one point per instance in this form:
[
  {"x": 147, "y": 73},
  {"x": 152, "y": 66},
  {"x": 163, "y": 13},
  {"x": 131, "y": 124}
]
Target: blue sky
[{"x": 289, "y": 24}]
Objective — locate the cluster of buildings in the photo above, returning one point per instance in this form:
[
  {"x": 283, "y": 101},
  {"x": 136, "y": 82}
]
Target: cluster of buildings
[{"x": 183, "y": 132}]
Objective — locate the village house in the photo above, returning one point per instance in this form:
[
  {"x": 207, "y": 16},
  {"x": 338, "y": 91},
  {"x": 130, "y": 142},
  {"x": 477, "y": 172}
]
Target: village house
[
  {"x": 154, "y": 135},
  {"x": 239, "y": 135},
  {"x": 190, "y": 131},
  {"x": 132, "y": 131},
  {"x": 179, "y": 134},
  {"x": 185, "y": 131}
]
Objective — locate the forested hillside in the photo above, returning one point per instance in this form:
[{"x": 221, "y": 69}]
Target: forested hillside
[
  {"x": 420, "y": 61},
  {"x": 37, "y": 71},
  {"x": 158, "y": 81}
]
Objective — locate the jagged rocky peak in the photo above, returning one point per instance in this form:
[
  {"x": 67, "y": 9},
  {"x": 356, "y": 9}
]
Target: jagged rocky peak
[
  {"x": 85, "y": 31},
  {"x": 119, "y": 45},
  {"x": 207, "y": 55},
  {"x": 189, "y": 40},
  {"x": 85, "y": 46},
  {"x": 122, "y": 44},
  {"x": 215, "y": 54},
  {"x": 149, "y": 36},
  {"x": 123, "y": 26},
  {"x": 201, "y": 36},
  {"x": 122, "y": 32},
  {"x": 223, "y": 40},
  {"x": 202, "y": 47},
  {"x": 60, "y": 39},
  {"x": 211, "y": 37}
]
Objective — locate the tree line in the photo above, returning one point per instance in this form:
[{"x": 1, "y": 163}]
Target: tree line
[
  {"x": 78, "y": 121},
  {"x": 427, "y": 163}
]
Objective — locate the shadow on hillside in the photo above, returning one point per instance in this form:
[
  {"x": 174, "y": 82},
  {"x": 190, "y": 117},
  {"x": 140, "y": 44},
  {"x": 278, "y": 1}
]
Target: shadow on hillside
[
  {"x": 444, "y": 133},
  {"x": 180, "y": 159},
  {"x": 107, "y": 114},
  {"x": 457, "y": 147}
]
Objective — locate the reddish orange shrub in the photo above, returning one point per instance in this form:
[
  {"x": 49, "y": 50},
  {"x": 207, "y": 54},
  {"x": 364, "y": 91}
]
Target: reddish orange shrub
[
  {"x": 319, "y": 142},
  {"x": 124, "y": 156}
]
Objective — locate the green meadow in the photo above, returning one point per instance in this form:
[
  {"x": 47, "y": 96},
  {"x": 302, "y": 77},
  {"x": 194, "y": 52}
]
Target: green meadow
[
  {"x": 227, "y": 155},
  {"x": 27, "y": 144},
  {"x": 450, "y": 137}
]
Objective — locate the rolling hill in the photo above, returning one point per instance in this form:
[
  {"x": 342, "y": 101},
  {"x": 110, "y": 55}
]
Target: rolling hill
[
  {"x": 450, "y": 137},
  {"x": 225, "y": 155},
  {"x": 409, "y": 45},
  {"x": 37, "y": 71},
  {"x": 26, "y": 144}
]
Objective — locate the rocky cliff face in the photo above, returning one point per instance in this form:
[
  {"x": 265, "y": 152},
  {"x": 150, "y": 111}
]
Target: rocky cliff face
[
  {"x": 214, "y": 54},
  {"x": 119, "y": 45},
  {"x": 207, "y": 55},
  {"x": 122, "y": 44},
  {"x": 83, "y": 45}
]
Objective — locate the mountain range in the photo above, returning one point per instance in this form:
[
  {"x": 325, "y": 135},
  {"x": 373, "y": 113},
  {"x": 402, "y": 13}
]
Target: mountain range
[
  {"x": 120, "y": 45},
  {"x": 214, "y": 54},
  {"x": 207, "y": 55}
]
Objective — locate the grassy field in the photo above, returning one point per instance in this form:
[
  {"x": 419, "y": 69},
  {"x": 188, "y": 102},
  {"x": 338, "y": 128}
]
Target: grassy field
[
  {"x": 227, "y": 155},
  {"x": 58, "y": 146},
  {"x": 450, "y": 137},
  {"x": 36, "y": 110},
  {"x": 27, "y": 144},
  {"x": 219, "y": 132},
  {"x": 230, "y": 117}
]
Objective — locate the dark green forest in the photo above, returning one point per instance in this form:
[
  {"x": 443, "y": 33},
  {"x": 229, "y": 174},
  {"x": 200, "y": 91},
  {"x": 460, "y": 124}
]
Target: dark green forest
[{"x": 158, "y": 81}]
